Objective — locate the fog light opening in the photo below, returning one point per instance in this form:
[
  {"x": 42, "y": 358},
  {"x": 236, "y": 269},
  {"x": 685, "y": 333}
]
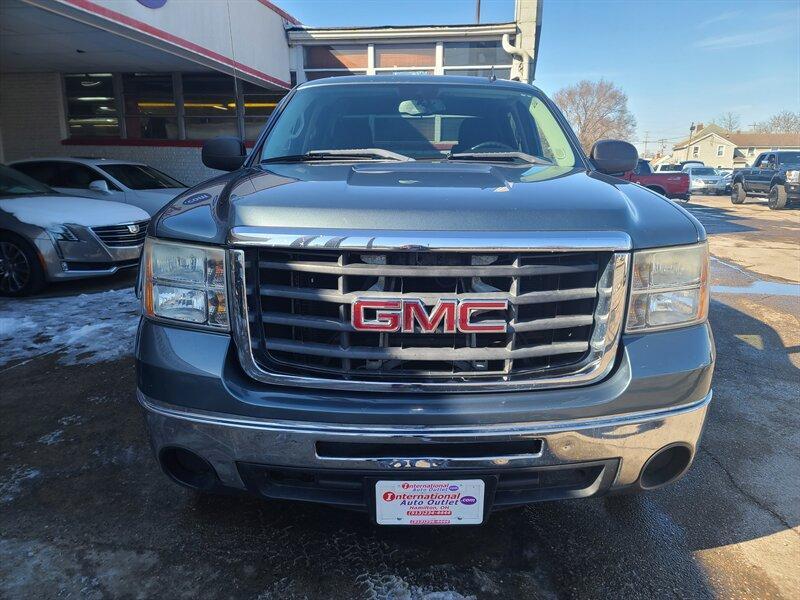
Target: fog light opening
[
  {"x": 665, "y": 466},
  {"x": 188, "y": 468}
]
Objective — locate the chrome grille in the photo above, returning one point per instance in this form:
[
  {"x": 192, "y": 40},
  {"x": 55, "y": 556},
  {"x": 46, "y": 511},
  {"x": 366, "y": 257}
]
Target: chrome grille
[
  {"x": 298, "y": 313},
  {"x": 115, "y": 236}
]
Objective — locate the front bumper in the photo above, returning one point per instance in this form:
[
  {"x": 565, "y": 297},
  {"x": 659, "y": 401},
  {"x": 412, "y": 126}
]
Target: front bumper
[
  {"x": 197, "y": 398},
  {"x": 88, "y": 257},
  {"x": 609, "y": 453}
]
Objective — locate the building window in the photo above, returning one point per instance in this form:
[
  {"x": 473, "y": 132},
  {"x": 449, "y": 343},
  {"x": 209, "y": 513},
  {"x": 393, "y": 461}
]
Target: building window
[
  {"x": 91, "y": 105},
  {"x": 149, "y": 105},
  {"x": 209, "y": 101},
  {"x": 336, "y": 57},
  {"x": 258, "y": 106},
  {"x": 695, "y": 151},
  {"x": 312, "y": 75},
  {"x": 720, "y": 150},
  {"x": 479, "y": 59},
  {"x": 751, "y": 151},
  {"x": 405, "y": 57},
  {"x": 152, "y": 107},
  {"x": 475, "y": 54}
]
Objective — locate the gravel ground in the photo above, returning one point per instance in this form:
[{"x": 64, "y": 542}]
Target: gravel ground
[{"x": 85, "y": 512}]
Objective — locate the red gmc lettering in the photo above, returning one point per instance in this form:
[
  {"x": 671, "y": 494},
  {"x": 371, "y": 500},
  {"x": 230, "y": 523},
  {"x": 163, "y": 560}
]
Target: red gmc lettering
[{"x": 402, "y": 315}]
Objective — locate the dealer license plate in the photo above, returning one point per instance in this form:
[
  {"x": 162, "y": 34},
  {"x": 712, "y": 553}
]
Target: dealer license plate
[{"x": 430, "y": 502}]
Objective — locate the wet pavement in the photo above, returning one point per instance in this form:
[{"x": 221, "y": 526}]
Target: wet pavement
[{"x": 85, "y": 512}]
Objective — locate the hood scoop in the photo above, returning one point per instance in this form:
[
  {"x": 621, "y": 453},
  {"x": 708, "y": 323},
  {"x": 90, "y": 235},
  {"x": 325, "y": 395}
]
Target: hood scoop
[{"x": 427, "y": 175}]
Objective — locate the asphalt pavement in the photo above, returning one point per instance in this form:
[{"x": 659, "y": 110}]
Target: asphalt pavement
[{"x": 86, "y": 513}]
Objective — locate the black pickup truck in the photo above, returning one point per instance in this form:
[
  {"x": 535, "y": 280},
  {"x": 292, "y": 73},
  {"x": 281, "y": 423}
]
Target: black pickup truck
[{"x": 775, "y": 175}]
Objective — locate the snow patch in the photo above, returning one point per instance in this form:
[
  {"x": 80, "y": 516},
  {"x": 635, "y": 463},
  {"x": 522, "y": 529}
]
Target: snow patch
[
  {"x": 51, "y": 438},
  {"x": 49, "y": 211},
  {"x": 11, "y": 486},
  {"x": 83, "y": 329},
  {"x": 392, "y": 587}
]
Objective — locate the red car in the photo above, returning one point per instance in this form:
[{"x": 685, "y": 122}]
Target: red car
[{"x": 670, "y": 184}]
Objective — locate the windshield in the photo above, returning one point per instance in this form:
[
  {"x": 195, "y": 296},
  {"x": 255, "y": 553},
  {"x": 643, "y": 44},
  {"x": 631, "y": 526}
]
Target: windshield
[
  {"x": 14, "y": 183},
  {"x": 706, "y": 171},
  {"x": 418, "y": 120},
  {"x": 141, "y": 177},
  {"x": 789, "y": 158}
]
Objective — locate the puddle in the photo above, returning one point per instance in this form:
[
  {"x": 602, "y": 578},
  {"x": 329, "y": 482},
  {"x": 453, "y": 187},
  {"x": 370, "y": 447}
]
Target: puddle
[{"x": 770, "y": 288}]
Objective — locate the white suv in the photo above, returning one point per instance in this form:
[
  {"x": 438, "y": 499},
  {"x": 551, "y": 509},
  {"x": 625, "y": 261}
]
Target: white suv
[{"x": 132, "y": 183}]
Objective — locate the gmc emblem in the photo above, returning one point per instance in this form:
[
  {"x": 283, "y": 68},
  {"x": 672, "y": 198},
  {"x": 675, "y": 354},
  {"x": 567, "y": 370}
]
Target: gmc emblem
[{"x": 393, "y": 315}]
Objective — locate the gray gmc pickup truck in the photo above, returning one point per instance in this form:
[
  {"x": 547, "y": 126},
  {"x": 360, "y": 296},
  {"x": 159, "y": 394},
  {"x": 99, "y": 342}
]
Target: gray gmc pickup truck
[{"x": 418, "y": 297}]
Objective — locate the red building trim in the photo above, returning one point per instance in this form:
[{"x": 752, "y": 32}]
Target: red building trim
[
  {"x": 280, "y": 12},
  {"x": 141, "y": 27}
]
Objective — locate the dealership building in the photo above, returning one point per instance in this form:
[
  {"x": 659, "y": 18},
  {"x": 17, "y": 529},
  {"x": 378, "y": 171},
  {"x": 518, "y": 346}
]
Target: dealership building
[{"x": 150, "y": 80}]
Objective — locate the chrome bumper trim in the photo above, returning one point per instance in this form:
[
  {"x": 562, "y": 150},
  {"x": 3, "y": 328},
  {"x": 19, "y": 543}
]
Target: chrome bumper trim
[
  {"x": 416, "y": 241},
  {"x": 225, "y": 440}
]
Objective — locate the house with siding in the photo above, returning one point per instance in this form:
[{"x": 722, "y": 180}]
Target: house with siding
[{"x": 719, "y": 148}]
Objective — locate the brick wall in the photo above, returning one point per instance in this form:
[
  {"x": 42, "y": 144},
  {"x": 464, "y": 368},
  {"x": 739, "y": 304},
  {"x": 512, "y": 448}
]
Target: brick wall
[{"x": 32, "y": 125}]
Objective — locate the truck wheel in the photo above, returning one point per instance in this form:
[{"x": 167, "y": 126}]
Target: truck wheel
[
  {"x": 777, "y": 197},
  {"x": 657, "y": 189},
  {"x": 738, "y": 195},
  {"x": 21, "y": 273}
]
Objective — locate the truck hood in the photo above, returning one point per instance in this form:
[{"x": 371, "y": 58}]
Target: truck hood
[
  {"x": 425, "y": 196},
  {"x": 52, "y": 210}
]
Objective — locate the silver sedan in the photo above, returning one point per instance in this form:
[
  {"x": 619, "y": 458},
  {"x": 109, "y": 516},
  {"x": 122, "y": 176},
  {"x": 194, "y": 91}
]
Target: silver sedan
[{"x": 46, "y": 236}]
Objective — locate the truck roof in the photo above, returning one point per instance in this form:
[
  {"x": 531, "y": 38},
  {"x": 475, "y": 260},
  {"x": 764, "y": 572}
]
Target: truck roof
[{"x": 439, "y": 79}]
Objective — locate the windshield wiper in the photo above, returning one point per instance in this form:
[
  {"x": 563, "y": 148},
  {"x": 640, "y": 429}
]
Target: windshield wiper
[
  {"x": 355, "y": 153},
  {"x": 503, "y": 156}
]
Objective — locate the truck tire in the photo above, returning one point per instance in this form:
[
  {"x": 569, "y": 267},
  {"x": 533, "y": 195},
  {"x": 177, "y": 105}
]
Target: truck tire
[
  {"x": 777, "y": 197},
  {"x": 21, "y": 273},
  {"x": 657, "y": 190},
  {"x": 738, "y": 194}
]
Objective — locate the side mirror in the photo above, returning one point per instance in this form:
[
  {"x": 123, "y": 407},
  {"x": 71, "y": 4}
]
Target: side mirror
[
  {"x": 224, "y": 153},
  {"x": 101, "y": 185},
  {"x": 613, "y": 157}
]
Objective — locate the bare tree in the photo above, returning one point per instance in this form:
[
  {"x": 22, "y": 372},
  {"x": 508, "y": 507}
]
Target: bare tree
[
  {"x": 596, "y": 110},
  {"x": 728, "y": 121},
  {"x": 785, "y": 121}
]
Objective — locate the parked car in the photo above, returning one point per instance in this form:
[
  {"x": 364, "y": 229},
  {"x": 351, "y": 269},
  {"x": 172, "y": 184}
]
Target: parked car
[
  {"x": 47, "y": 236},
  {"x": 775, "y": 175},
  {"x": 724, "y": 184},
  {"x": 423, "y": 323},
  {"x": 132, "y": 183},
  {"x": 673, "y": 185},
  {"x": 702, "y": 180},
  {"x": 664, "y": 168},
  {"x": 691, "y": 163}
]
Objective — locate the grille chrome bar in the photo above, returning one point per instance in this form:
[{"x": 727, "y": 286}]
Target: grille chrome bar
[
  {"x": 600, "y": 348},
  {"x": 430, "y": 271},
  {"x": 564, "y": 322},
  {"x": 391, "y": 353},
  {"x": 460, "y": 241},
  {"x": 428, "y": 298}
]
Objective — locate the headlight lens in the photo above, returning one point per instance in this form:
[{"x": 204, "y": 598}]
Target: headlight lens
[
  {"x": 793, "y": 176},
  {"x": 185, "y": 283},
  {"x": 62, "y": 233},
  {"x": 669, "y": 288}
]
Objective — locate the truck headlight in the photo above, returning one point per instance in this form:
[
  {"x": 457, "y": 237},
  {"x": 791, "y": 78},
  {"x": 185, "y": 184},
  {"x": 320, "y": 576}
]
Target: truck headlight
[
  {"x": 185, "y": 283},
  {"x": 669, "y": 288},
  {"x": 792, "y": 176}
]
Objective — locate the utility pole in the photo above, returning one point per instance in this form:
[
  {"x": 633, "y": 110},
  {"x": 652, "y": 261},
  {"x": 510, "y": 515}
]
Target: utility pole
[
  {"x": 691, "y": 133},
  {"x": 478, "y": 11},
  {"x": 646, "y": 139}
]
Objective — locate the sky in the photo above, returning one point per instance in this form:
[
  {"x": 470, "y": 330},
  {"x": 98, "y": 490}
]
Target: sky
[{"x": 679, "y": 61}]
